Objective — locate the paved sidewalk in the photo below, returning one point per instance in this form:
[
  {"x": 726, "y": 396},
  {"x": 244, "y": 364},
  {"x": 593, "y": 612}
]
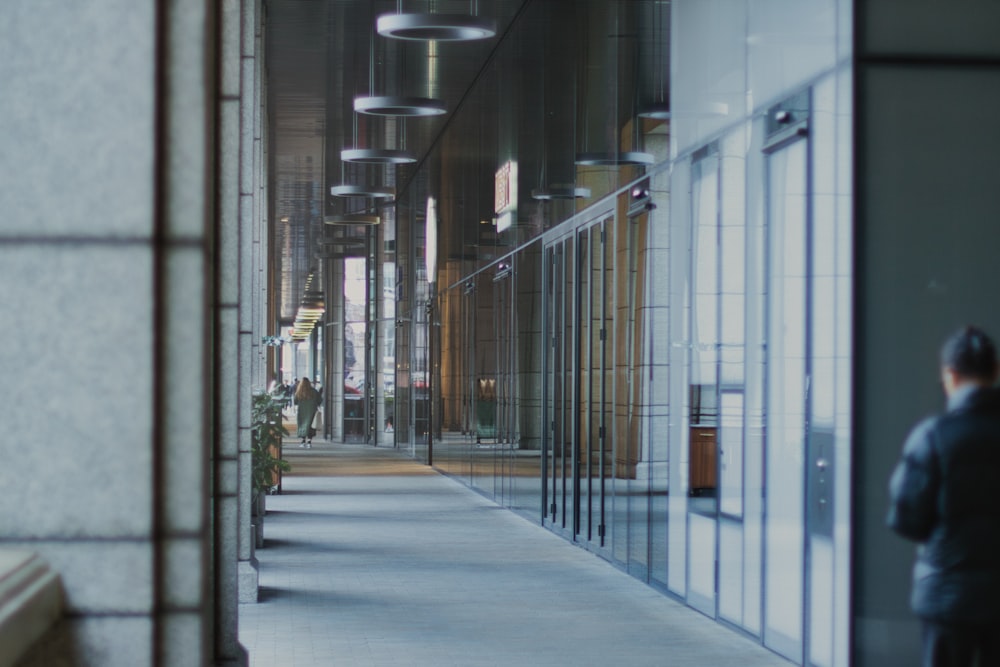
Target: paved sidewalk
[{"x": 373, "y": 559}]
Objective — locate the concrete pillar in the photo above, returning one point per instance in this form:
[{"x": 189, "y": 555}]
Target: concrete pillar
[
  {"x": 927, "y": 82},
  {"x": 106, "y": 252},
  {"x": 231, "y": 561},
  {"x": 251, "y": 288}
]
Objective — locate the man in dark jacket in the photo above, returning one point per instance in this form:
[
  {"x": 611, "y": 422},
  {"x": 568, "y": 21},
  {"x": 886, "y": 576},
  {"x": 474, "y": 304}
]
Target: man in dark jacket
[{"x": 945, "y": 495}]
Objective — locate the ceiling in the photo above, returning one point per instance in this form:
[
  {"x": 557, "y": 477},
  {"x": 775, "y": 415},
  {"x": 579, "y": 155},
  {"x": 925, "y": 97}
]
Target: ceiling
[{"x": 549, "y": 77}]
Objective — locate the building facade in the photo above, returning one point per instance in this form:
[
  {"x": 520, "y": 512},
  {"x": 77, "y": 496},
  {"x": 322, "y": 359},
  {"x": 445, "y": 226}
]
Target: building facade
[{"x": 668, "y": 278}]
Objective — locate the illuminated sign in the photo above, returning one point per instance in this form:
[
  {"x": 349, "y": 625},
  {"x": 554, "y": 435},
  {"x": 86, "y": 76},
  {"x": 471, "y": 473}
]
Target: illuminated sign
[{"x": 505, "y": 195}]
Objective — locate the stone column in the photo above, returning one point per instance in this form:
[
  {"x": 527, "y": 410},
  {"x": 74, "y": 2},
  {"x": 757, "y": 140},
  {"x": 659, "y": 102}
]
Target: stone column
[
  {"x": 230, "y": 559},
  {"x": 105, "y": 256},
  {"x": 251, "y": 286}
]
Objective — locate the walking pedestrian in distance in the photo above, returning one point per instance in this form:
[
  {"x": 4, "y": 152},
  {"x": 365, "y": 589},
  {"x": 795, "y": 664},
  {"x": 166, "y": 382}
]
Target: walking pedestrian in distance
[{"x": 307, "y": 399}]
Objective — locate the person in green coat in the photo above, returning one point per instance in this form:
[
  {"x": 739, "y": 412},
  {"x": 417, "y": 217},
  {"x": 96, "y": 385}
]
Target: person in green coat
[{"x": 307, "y": 400}]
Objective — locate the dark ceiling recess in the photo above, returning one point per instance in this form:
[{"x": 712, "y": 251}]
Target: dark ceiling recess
[{"x": 512, "y": 96}]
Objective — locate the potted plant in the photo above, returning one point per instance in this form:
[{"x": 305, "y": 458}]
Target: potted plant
[{"x": 266, "y": 431}]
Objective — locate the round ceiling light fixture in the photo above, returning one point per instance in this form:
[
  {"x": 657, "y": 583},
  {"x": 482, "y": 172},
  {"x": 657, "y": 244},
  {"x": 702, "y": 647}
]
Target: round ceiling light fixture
[
  {"x": 561, "y": 191},
  {"x": 656, "y": 112},
  {"x": 614, "y": 159},
  {"x": 393, "y": 105},
  {"x": 375, "y": 191},
  {"x": 436, "y": 27},
  {"x": 377, "y": 156},
  {"x": 352, "y": 219}
]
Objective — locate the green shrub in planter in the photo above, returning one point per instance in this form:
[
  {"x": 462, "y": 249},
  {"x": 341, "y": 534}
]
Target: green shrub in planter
[{"x": 266, "y": 431}]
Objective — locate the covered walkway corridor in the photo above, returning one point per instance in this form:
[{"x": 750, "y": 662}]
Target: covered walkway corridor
[{"x": 372, "y": 558}]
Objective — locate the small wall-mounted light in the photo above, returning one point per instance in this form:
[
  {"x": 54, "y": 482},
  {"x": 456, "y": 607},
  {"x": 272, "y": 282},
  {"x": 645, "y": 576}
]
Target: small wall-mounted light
[
  {"x": 641, "y": 200},
  {"x": 504, "y": 269}
]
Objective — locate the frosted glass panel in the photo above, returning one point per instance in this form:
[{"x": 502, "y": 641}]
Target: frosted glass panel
[
  {"x": 751, "y": 568},
  {"x": 731, "y": 571},
  {"x": 705, "y": 273},
  {"x": 821, "y": 581},
  {"x": 707, "y": 67},
  {"x": 701, "y": 572},
  {"x": 677, "y": 526},
  {"x": 788, "y": 43}
]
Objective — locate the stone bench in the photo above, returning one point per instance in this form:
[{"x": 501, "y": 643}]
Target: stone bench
[{"x": 30, "y": 602}]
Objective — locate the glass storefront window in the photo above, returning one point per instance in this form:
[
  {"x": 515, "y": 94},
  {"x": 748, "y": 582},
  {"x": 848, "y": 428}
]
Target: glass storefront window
[{"x": 647, "y": 380}]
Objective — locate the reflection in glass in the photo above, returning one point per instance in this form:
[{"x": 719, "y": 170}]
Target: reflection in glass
[
  {"x": 731, "y": 570},
  {"x": 584, "y": 361},
  {"x": 786, "y": 423},
  {"x": 388, "y": 351},
  {"x": 355, "y": 349},
  {"x": 731, "y": 454},
  {"x": 485, "y": 387},
  {"x": 705, "y": 301},
  {"x": 632, "y": 440},
  {"x": 703, "y": 388},
  {"x": 526, "y": 454}
]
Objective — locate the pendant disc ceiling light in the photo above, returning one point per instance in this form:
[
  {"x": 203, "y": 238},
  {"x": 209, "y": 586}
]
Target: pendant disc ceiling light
[
  {"x": 560, "y": 191},
  {"x": 352, "y": 219},
  {"x": 353, "y": 190},
  {"x": 657, "y": 112},
  {"x": 377, "y": 156},
  {"x": 395, "y": 105},
  {"x": 614, "y": 159},
  {"x": 436, "y": 27}
]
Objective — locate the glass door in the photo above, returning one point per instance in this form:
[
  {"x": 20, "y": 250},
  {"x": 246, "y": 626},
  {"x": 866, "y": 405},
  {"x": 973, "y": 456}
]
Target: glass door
[
  {"x": 579, "y": 378},
  {"x": 798, "y": 574},
  {"x": 503, "y": 410},
  {"x": 703, "y": 384},
  {"x": 594, "y": 464},
  {"x": 485, "y": 325},
  {"x": 561, "y": 314},
  {"x": 786, "y": 414},
  {"x": 715, "y": 425},
  {"x": 548, "y": 505},
  {"x": 585, "y": 444}
]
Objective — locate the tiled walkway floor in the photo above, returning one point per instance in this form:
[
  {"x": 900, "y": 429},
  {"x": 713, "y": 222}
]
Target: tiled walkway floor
[{"x": 373, "y": 559}]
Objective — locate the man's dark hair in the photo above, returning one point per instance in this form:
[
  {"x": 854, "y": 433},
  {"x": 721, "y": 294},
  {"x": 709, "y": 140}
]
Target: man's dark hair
[{"x": 970, "y": 353}]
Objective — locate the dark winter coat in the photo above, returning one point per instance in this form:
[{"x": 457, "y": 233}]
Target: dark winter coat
[{"x": 945, "y": 494}]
